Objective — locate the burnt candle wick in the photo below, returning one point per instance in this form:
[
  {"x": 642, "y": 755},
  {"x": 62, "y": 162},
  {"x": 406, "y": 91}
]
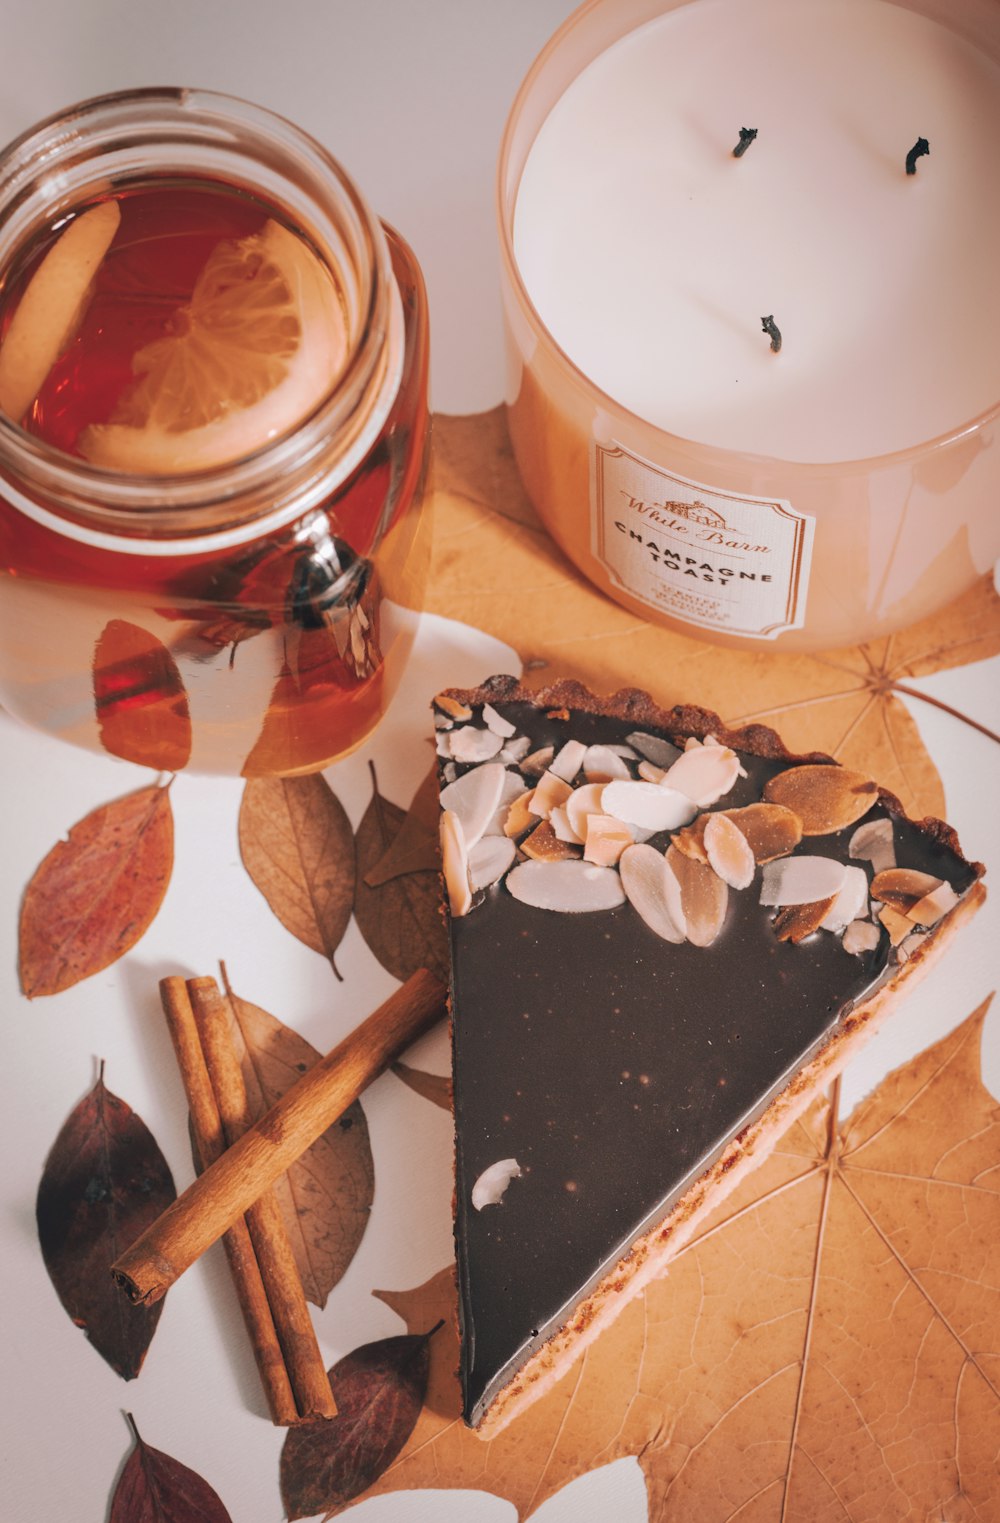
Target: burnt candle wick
[
  {"x": 773, "y": 332},
  {"x": 920, "y": 147},
  {"x": 747, "y": 135}
]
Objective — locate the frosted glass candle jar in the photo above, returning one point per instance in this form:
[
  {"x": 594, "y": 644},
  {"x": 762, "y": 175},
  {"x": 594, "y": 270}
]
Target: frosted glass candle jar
[{"x": 848, "y": 483}]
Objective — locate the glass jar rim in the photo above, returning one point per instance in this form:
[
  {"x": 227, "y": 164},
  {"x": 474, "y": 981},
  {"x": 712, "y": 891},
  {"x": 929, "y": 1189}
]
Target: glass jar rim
[{"x": 142, "y": 134}]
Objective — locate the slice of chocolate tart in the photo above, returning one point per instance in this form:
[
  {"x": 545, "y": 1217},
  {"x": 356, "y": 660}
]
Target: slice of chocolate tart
[{"x": 666, "y": 938}]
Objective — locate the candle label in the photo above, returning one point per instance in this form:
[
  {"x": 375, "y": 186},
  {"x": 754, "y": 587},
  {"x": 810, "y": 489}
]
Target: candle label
[{"x": 713, "y": 558}]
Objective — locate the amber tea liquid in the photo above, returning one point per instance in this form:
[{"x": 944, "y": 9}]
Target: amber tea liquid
[{"x": 262, "y": 647}]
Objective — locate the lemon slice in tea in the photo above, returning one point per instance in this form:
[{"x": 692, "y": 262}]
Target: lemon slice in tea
[
  {"x": 259, "y": 344},
  {"x": 50, "y": 307}
]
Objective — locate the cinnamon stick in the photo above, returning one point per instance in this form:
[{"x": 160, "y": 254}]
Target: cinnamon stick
[
  {"x": 278, "y": 1270},
  {"x": 222, "y": 1194},
  {"x": 210, "y": 1144}
]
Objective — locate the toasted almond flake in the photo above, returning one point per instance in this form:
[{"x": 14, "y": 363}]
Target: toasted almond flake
[
  {"x": 550, "y": 790},
  {"x": 691, "y": 840},
  {"x": 650, "y": 773},
  {"x": 559, "y": 820},
  {"x": 728, "y": 851},
  {"x": 562, "y": 714},
  {"x": 584, "y": 801},
  {"x": 515, "y": 750},
  {"x": 491, "y": 1186},
  {"x": 537, "y": 762},
  {"x": 489, "y": 859},
  {"x": 442, "y": 743},
  {"x": 825, "y": 797},
  {"x": 797, "y": 921},
  {"x": 896, "y": 924},
  {"x": 873, "y": 842},
  {"x": 602, "y": 765},
  {"x": 771, "y": 830},
  {"x": 909, "y": 945},
  {"x": 801, "y": 880},
  {"x": 568, "y": 760},
  {"x": 496, "y": 722},
  {"x": 455, "y": 863},
  {"x": 902, "y": 887},
  {"x": 449, "y": 772},
  {"x": 452, "y": 707},
  {"x": 568, "y": 887},
  {"x": 930, "y": 909},
  {"x": 652, "y": 806},
  {"x": 474, "y": 798},
  {"x": 704, "y": 775},
  {"x": 513, "y": 788},
  {"x": 850, "y": 903},
  {"x": 519, "y": 815},
  {"x": 471, "y": 744},
  {"x": 704, "y": 898},
  {"x": 607, "y": 838},
  {"x": 692, "y": 744},
  {"x": 441, "y": 721},
  {"x": 653, "y": 891},
  {"x": 543, "y": 845},
  {"x": 653, "y": 748},
  {"x": 860, "y": 936}
]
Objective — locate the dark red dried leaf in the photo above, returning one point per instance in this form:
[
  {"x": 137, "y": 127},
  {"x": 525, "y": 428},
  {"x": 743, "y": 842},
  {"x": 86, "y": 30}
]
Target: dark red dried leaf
[
  {"x": 155, "y": 1488},
  {"x": 104, "y": 1182},
  {"x": 401, "y": 920},
  {"x": 380, "y": 1389},
  {"x": 142, "y": 708},
  {"x": 97, "y": 892}
]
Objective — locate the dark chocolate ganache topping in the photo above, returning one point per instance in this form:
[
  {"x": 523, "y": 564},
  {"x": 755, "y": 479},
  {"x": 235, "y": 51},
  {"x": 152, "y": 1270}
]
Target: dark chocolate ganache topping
[{"x": 614, "y": 1066}]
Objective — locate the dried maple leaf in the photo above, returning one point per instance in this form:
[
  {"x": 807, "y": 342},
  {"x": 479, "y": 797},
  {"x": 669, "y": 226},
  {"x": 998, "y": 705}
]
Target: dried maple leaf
[
  {"x": 97, "y": 892},
  {"x": 496, "y": 568},
  {"x": 298, "y": 847},
  {"x": 155, "y": 1488},
  {"x": 142, "y": 708},
  {"x": 104, "y": 1182},
  {"x": 401, "y": 919},
  {"x": 825, "y": 1351},
  {"x": 326, "y": 1196}
]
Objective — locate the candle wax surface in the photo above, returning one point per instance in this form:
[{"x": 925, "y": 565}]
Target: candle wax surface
[{"x": 651, "y": 254}]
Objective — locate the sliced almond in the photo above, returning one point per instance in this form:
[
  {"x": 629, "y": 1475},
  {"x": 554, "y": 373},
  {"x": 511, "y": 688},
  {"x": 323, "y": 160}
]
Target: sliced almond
[
  {"x": 692, "y": 743},
  {"x": 584, "y": 801},
  {"x": 896, "y": 924},
  {"x": 491, "y": 1186},
  {"x": 650, "y": 773},
  {"x": 704, "y": 898},
  {"x": 489, "y": 859},
  {"x": 471, "y": 744},
  {"x": 568, "y": 760},
  {"x": 909, "y": 945},
  {"x": 850, "y": 903},
  {"x": 653, "y": 748},
  {"x": 801, "y": 880},
  {"x": 515, "y": 750},
  {"x": 474, "y": 798},
  {"x": 519, "y": 816},
  {"x": 860, "y": 936},
  {"x": 543, "y": 845},
  {"x": 513, "y": 788},
  {"x": 602, "y": 765},
  {"x": 902, "y": 887},
  {"x": 652, "y": 806},
  {"x": 930, "y": 909},
  {"x": 728, "y": 851},
  {"x": 797, "y": 921},
  {"x": 559, "y": 820},
  {"x": 496, "y": 722},
  {"x": 549, "y": 791},
  {"x": 536, "y": 763},
  {"x": 873, "y": 842},
  {"x": 569, "y": 887},
  {"x": 606, "y": 839},
  {"x": 452, "y": 707},
  {"x": 691, "y": 840},
  {"x": 772, "y": 830},
  {"x": 562, "y": 714},
  {"x": 653, "y": 891},
  {"x": 705, "y": 775},
  {"x": 455, "y": 863},
  {"x": 825, "y": 797}
]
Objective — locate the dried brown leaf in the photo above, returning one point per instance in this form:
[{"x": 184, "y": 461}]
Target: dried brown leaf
[
  {"x": 824, "y": 1351},
  {"x": 155, "y": 1488},
  {"x": 298, "y": 847},
  {"x": 509, "y": 579},
  {"x": 400, "y": 920},
  {"x": 139, "y": 698},
  {"x": 97, "y": 892},
  {"x": 416, "y": 847},
  {"x": 104, "y": 1182},
  {"x": 326, "y": 1196},
  {"x": 433, "y": 1087}
]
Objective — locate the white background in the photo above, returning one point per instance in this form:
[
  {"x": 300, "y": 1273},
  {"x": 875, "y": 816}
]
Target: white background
[{"x": 412, "y": 99}]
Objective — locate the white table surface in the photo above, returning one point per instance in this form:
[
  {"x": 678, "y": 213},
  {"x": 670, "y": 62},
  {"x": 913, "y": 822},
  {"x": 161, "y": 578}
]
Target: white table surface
[{"x": 412, "y": 99}]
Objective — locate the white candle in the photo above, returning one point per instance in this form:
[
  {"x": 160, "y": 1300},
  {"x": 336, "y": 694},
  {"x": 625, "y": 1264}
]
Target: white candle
[{"x": 651, "y": 253}]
